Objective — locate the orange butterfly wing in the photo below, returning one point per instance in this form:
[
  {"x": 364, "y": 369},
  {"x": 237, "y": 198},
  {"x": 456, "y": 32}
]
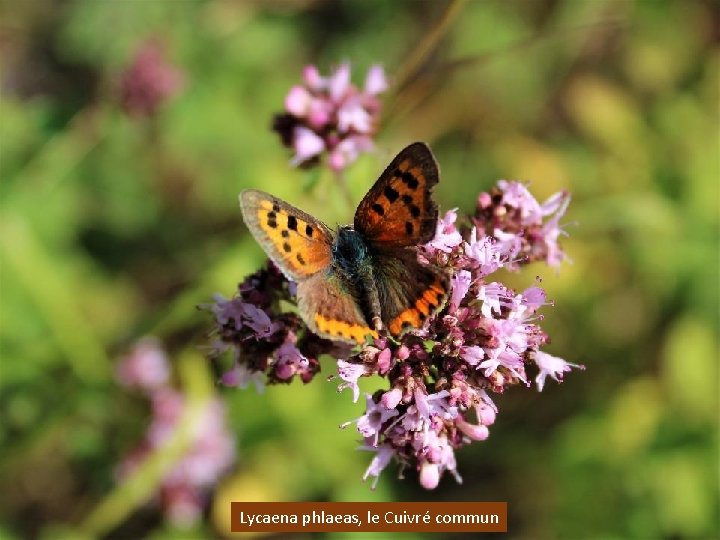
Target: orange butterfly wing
[
  {"x": 410, "y": 292},
  {"x": 397, "y": 214},
  {"x": 331, "y": 311},
  {"x": 398, "y": 210},
  {"x": 297, "y": 243},
  {"x": 301, "y": 246}
]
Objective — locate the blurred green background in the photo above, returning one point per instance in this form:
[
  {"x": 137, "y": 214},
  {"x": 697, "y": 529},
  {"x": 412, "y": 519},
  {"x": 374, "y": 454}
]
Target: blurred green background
[{"x": 115, "y": 227}]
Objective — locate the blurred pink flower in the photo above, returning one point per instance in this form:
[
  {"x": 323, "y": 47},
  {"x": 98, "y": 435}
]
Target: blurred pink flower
[
  {"x": 330, "y": 115},
  {"x": 148, "y": 81},
  {"x": 211, "y": 451},
  {"x": 145, "y": 367}
]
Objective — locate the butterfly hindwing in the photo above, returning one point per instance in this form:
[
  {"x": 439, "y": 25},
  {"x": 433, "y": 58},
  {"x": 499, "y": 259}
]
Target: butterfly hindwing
[
  {"x": 409, "y": 291},
  {"x": 330, "y": 310},
  {"x": 399, "y": 209},
  {"x": 298, "y": 244}
]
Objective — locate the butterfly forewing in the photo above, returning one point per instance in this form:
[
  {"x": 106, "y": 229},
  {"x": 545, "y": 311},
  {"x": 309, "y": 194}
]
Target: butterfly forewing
[
  {"x": 298, "y": 243},
  {"x": 399, "y": 210}
]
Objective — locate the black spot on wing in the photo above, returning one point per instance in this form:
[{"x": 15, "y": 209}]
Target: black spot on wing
[
  {"x": 292, "y": 223},
  {"x": 409, "y": 228},
  {"x": 409, "y": 180},
  {"x": 272, "y": 219},
  {"x": 378, "y": 209},
  {"x": 286, "y": 247},
  {"x": 390, "y": 194},
  {"x": 309, "y": 230}
]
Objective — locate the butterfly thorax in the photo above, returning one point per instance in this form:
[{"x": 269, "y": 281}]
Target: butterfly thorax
[
  {"x": 353, "y": 262},
  {"x": 351, "y": 255}
]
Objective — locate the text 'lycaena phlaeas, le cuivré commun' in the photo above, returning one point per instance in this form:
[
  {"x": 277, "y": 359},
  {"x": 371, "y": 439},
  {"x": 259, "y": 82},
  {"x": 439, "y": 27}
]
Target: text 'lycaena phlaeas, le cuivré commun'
[{"x": 364, "y": 279}]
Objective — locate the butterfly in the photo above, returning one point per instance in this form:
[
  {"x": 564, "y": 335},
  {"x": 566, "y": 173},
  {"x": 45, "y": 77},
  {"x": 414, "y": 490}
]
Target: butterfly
[{"x": 363, "y": 279}]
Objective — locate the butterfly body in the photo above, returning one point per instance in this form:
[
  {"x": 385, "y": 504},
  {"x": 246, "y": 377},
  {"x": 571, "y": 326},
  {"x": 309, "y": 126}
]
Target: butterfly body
[
  {"x": 351, "y": 255},
  {"x": 361, "y": 279}
]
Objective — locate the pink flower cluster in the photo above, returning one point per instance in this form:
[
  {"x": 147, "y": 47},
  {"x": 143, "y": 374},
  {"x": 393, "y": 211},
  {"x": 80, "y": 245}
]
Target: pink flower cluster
[
  {"x": 329, "y": 115},
  {"x": 267, "y": 343},
  {"x": 482, "y": 342},
  {"x": 441, "y": 377},
  {"x": 529, "y": 231},
  {"x": 148, "y": 81},
  {"x": 182, "y": 492}
]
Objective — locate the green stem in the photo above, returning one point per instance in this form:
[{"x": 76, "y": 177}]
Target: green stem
[{"x": 427, "y": 45}]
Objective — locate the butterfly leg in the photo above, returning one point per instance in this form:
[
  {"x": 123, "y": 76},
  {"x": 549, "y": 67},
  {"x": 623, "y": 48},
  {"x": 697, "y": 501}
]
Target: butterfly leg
[{"x": 372, "y": 297}]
